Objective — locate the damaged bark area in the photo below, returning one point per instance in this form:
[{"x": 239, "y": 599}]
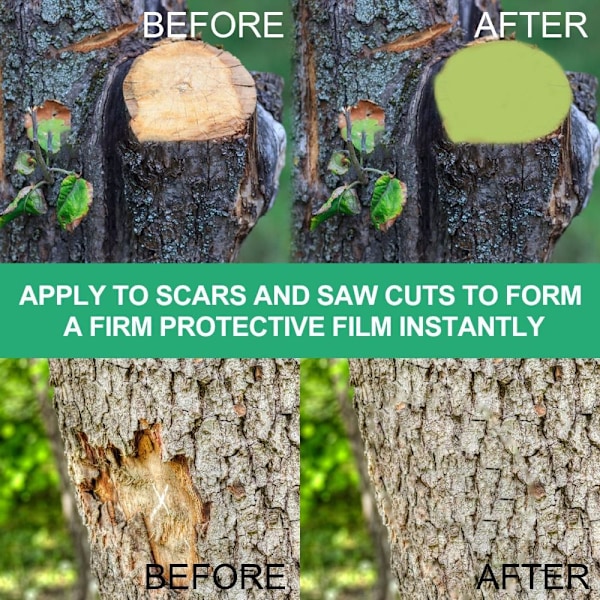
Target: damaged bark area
[
  {"x": 481, "y": 462},
  {"x": 464, "y": 201},
  {"x": 192, "y": 462},
  {"x": 197, "y": 160},
  {"x": 188, "y": 92},
  {"x": 175, "y": 198},
  {"x": 142, "y": 486}
]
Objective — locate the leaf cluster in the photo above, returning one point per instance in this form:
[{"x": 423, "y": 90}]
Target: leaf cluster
[
  {"x": 48, "y": 126},
  {"x": 362, "y": 127}
]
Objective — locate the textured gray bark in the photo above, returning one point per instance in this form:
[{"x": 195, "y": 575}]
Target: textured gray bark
[
  {"x": 179, "y": 461},
  {"x": 478, "y": 203},
  {"x": 176, "y": 202},
  {"x": 483, "y": 461}
]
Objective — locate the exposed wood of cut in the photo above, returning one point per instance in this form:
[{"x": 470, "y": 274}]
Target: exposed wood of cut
[{"x": 188, "y": 91}]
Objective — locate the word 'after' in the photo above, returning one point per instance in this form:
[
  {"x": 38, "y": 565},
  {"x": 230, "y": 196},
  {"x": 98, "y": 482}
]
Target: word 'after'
[
  {"x": 536, "y": 576},
  {"x": 553, "y": 24}
]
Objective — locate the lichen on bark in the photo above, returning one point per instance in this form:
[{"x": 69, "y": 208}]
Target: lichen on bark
[{"x": 198, "y": 214}]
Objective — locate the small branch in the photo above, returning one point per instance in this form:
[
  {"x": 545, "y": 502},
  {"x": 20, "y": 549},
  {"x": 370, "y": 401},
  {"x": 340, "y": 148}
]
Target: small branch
[
  {"x": 62, "y": 171},
  {"x": 38, "y": 150},
  {"x": 351, "y": 151},
  {"x": 377, "y": 171}
]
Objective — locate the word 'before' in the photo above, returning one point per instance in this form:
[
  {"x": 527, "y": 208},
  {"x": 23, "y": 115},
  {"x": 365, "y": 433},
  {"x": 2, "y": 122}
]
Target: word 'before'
[
  {"x": 222, "y": 24},
  {"x": 181, "y": 576}
]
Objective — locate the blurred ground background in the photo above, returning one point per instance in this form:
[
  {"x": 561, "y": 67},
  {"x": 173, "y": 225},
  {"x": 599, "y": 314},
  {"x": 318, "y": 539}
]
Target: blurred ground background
[{"x": 36, "y": 557}]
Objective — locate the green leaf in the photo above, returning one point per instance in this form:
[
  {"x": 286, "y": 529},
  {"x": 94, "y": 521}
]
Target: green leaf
[
  {"x": 342, "y": 200},
  {"x": 387, "y": 201},
  {"x": 367, "y": 122},
  {"x": 53, "y": 124},
  {"x": 25, "y": 164},
  {"x": 30, "y": 200},
  {"x": 74, "y": 200},
  {"x": 35, "y": 203},
  {"x": 339, "y": 163}
]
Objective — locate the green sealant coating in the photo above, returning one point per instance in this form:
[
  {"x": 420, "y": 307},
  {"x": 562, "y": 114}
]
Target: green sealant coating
[{"x": 502, "y": 92}]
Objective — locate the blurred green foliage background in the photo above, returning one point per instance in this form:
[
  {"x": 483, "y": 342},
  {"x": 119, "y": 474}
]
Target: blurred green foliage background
[
  {"x": 35, "y": 549},
  {"x": 336, "y": 557}
]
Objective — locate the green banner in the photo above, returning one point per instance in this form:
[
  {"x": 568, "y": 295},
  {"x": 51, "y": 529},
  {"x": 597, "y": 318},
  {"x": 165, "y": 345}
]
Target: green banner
[{"x": 283, "y": 310}]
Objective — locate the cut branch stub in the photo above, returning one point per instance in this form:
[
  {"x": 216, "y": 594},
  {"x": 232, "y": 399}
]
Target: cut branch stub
[
  {"x": 501, "y": 92},
  {"x": 188, "y": 91}
]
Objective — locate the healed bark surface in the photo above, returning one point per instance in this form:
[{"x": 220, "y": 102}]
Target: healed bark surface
[
  {"x": 466, "y": 202},
  {"x": 184, "y": 461},
  {"x": 176, "y": 201},
  {"x": 483, "y": 461}
]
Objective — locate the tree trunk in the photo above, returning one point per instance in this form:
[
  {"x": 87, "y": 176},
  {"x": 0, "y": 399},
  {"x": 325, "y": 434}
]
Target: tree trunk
[
  {"x": 172, "y": 198},
  {"x": 84, "y": 586},
  {"x": 384, "y": 589},
  {"x": 467, "y": 202},
  {"x": 185, "y": 462},
  {"x": 481, "y": 462}
]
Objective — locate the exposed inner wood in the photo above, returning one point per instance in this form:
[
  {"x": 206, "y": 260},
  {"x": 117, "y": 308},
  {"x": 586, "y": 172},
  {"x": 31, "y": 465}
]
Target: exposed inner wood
[
  {"x": 162, "y": 493},
  {"x": 188, "y": 91},
  {"x": 99, "y": 40},
  {"x": 414, "y": 40}
]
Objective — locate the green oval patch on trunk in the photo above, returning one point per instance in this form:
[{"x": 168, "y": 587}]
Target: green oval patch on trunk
[{"x": 502, "y": 92}]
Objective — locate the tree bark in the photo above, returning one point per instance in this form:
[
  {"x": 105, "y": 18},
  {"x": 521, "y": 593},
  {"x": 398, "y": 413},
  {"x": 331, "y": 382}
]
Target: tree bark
[
  {"x": 186, "y": 462},
  {"x": 173, "y": 461},
  {"x": 384, "y": 589},
  {"x": 84, "y": 586},
  {"x": 483, "y": 461},
  {"x": 176, "y": 201},
  {"x": 467, "y": 202}
]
